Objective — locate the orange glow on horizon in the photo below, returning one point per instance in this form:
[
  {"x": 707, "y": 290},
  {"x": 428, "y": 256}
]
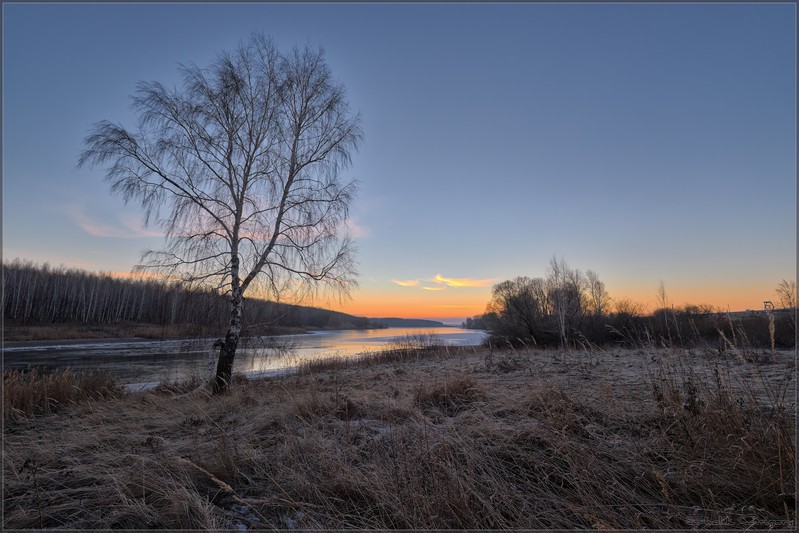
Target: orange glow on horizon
[
  {"x": 406, "y": 300},
  {"x": 402, "y": 303},
  {"x": 722, "y": 298}
]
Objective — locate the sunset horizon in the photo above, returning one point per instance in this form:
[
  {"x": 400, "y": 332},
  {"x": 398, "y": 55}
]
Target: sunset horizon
[
  {"x": 462, "y": 298},
  {"x": 404, "y": 266},
  {"x": 586, "y": 133}
]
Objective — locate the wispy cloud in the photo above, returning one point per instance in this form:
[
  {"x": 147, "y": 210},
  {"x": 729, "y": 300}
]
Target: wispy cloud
[
  {"x": 462, "y": 282},
  {"x": 440, "y": 283},
  {"x": 358, "y": 231},
  {"x": 406, "y": 283},
  {"x": 126, "y": 226}
]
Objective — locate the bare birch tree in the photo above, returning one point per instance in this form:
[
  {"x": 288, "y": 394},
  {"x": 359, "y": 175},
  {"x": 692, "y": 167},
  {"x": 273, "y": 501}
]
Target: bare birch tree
[
  {"x": 598, "y": 297},
  {"x": 565, "y": 293},
  {"x": 240, "y": 168}
]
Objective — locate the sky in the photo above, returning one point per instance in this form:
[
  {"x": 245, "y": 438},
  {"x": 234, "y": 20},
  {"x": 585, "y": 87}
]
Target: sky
[{"x": 647, "y": 142}]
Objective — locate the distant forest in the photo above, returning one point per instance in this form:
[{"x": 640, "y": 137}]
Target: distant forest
[{"x": 35, "y": 295}]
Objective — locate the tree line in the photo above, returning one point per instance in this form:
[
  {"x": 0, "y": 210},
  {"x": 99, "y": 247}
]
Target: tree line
[
  {"x": 42, "y": 294},
  {"x": 568, "y": 307}
]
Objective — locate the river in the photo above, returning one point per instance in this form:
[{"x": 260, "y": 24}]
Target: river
[{"x": 143, "y": 362}]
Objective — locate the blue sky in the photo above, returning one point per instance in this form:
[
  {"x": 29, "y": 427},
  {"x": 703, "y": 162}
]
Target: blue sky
[{"x": 647, "y": 142}]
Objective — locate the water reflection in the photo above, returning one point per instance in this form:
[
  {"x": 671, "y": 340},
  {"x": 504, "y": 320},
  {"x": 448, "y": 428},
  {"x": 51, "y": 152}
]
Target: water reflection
[
  {"x": 146, "y": 361},
  {"x": 292, "y": 350}
]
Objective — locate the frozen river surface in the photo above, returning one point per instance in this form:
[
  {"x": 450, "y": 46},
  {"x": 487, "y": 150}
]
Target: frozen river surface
[{"x": 143, "y": 361}]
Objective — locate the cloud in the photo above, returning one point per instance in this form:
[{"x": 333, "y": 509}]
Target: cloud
[
  {"x": 440, "y": 283},
  {"x": 462, "y": 282},
  {"x": 126, "y": 225},
  {"x": 357, "y": 231},
  {"x": 406, "y": 283}
]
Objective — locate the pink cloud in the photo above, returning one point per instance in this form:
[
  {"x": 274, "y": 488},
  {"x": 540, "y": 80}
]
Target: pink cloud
[
  {"x": 406, "y": 283},
  {"x": 125, "y": 227},
  {"x": 462, "y": 282},
  {"x": 357, "y": 230}
]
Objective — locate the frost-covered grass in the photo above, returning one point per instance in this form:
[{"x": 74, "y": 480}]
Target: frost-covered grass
[{"x": 448, "y": 438}]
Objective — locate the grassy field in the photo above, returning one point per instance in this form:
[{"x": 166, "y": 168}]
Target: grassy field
[{"x": 438, "y": 438}]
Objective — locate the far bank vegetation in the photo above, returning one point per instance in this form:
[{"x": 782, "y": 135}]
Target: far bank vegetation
[
  {"x": 571, "y": 308},
  {"x": 42, "y": 301}
]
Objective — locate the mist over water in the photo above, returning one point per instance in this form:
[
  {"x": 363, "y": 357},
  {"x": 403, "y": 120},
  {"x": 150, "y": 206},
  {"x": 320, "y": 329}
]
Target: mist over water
[{"x": 136, "y": 361}]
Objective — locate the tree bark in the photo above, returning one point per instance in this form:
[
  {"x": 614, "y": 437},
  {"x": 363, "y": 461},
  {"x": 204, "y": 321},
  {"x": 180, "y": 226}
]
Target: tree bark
[{"x": 227, "y": 354}]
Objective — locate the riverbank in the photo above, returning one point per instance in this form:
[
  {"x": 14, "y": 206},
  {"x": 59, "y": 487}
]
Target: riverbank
[
  {"x": 445, "y": 438},
  {"x": 65, "y": 332}
]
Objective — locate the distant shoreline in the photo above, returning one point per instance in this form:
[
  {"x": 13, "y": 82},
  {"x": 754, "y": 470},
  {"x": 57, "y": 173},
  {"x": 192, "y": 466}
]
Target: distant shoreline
[
  {"x": 95, "y": 332},
  {"x": 62, "y": 335}
]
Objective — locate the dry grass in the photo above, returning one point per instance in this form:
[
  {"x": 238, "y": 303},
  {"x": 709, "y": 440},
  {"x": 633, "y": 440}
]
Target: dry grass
[
  {"x": 32, "y": 393},
  {"x": 460, "y": 439}
]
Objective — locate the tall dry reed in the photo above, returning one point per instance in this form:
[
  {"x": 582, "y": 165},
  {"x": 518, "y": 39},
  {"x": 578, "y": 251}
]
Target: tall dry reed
[{"x": 33, "y": 393}]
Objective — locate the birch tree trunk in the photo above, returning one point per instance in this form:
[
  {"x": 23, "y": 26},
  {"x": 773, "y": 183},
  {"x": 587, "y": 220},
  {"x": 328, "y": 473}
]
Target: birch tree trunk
[
  {"x": 227, "y": 354},
  {"x": 240, "y": 169}
]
